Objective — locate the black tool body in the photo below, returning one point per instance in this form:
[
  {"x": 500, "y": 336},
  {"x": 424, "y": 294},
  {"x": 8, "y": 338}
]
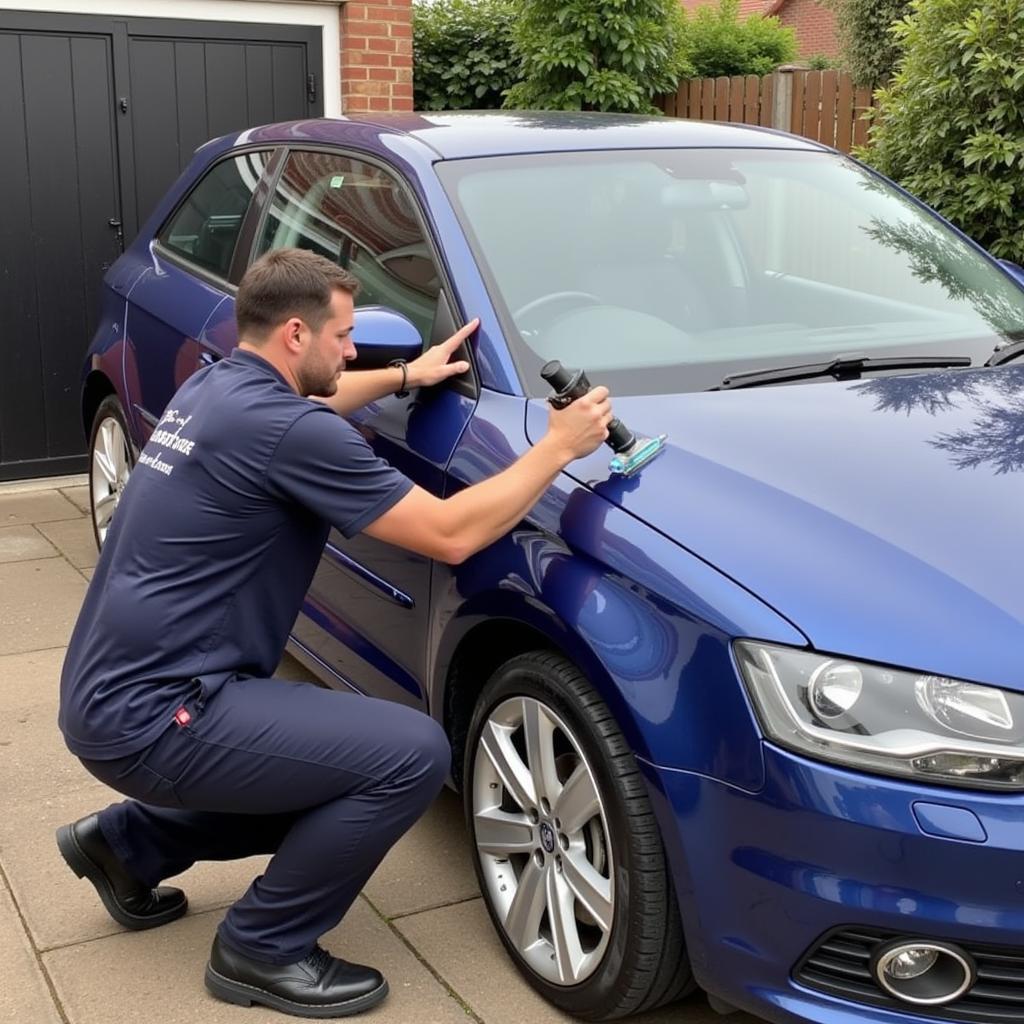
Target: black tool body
[{"x": 569, "y": 385}]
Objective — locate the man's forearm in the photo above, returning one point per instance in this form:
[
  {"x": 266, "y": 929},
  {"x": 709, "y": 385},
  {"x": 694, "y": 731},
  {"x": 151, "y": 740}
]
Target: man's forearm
[
  {"x": 452, "y": 529},
  {"x": 481, "y": 514},
  {"x": 357, "y": 388}
]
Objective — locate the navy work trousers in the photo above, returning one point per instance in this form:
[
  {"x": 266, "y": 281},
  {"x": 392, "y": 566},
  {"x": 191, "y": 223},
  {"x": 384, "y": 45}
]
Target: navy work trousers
[{"x": 325, "y": 781}]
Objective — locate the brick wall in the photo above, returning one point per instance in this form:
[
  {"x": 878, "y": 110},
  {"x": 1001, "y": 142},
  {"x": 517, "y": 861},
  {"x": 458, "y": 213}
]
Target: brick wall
[
  {"x": 376, "y": 56},
  {"x": 815, "y": 27}
]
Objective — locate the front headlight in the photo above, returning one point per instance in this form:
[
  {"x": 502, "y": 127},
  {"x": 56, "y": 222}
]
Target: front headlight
[{"x": 886, "y": 720}]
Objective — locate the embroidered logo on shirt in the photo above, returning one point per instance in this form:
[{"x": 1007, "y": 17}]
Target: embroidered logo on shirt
[{"x": 168, "y": 441}]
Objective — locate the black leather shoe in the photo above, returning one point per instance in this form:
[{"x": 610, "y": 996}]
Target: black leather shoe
[
  {"x": 128, "y": 901},
  {"x": 319, "y": 986}
]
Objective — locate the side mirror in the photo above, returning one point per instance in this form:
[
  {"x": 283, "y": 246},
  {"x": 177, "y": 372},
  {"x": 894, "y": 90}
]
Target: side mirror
[
  {"x": 1015, "y": 270},
  {"x": 382, "y": 335}
]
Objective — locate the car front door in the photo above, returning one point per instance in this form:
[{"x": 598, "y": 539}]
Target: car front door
[{"x": 366, "y": 614}]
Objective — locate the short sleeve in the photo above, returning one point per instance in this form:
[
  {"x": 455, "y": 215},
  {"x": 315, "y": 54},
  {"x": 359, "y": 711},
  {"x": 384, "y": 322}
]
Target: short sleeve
[{"x": 323, "y": 463}]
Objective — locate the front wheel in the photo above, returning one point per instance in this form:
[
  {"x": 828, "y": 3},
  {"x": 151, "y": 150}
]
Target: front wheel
[
  {"x": 111, "y": 458},
  {"x": 568, "y": 852}
]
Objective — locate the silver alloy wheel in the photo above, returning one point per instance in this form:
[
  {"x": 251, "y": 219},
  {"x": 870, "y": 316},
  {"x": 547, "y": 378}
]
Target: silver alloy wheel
[
  {"x": 542, "y": 839},
  {"x": 111, "y": 464}
]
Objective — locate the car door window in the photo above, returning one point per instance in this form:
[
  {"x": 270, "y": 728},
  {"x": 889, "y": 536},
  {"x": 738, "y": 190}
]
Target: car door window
[
  {"x": 362, "y": 218},
  {"x": 205, "y": 228}
]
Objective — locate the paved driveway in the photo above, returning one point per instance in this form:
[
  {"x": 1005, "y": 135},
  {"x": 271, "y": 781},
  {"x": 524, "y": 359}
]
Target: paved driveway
[{"x": 62, "y": 959}]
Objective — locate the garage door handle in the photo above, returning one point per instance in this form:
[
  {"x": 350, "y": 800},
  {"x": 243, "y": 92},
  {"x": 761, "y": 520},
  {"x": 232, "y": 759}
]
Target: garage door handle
[{"x": 118, "y": 228}]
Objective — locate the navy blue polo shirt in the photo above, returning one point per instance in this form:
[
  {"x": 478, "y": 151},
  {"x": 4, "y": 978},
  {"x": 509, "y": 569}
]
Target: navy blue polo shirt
[{"x": 212, "y": 549}]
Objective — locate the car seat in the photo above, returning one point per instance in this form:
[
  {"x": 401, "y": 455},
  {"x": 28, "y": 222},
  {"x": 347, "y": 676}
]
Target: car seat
[{"x": 630, "y": 261}]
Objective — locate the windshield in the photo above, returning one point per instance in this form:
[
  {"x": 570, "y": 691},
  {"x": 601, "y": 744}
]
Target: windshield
[{"x": 663, "y": 271}]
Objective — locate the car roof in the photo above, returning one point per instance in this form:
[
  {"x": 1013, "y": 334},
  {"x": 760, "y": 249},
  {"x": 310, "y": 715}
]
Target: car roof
[{"x": 457, "y": 135}]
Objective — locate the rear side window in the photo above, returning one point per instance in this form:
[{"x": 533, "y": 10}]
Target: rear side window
[{"x": 205, "y": 227}]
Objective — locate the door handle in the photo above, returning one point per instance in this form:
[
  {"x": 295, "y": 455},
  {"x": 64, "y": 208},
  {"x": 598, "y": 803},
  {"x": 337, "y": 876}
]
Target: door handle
[{"x": 118, "y": 228}]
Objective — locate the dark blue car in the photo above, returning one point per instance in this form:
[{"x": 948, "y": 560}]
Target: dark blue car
[{"x": 751, "y": 718}]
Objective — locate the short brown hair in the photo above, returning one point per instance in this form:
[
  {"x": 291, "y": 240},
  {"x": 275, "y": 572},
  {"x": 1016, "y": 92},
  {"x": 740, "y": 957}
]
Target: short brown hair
[{"x": 288, "y": 282}]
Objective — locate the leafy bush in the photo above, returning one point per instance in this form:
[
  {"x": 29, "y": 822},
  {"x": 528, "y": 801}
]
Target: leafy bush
[
  {"x": 950, "y": 126},
  {"x": 463, "y": 54},
  {"x": 822, "y": 62},
  {"x": 597, "y": 54},
  {"x": 718, "y": 42},
  {"x": 870, "y": 50}
]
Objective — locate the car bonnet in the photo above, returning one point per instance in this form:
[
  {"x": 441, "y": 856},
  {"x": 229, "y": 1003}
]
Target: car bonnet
[{"x": 882, "y": 517}]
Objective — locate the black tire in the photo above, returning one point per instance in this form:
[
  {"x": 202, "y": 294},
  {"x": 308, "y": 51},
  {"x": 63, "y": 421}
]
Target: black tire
[
  {"x": 644, "y": 962},
  {"x": 101, "y": 489}
]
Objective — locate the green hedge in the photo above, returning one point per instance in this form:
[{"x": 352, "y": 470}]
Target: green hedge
[
  {"x": 719, "y": 42},
  {"x": 463, "y": 54},
  {"x": 597, "y": 54},
  {"x": 614, "y": 55},
  {"x": 870, "y": 50},
  {"x": 950, "y": 126}
]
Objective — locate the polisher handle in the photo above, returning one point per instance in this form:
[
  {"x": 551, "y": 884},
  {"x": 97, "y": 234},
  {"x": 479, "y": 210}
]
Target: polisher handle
[{"x": 569, "y": 385}]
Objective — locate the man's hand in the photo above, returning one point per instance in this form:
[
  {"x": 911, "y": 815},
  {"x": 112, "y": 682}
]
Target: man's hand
[
  {"x": 581, "y": 428},
  {"x": 433, "y": 366}
]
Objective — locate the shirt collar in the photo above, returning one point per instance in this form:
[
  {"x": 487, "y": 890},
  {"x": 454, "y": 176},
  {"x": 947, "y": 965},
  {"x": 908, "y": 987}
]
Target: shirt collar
[{"x": 247, "y": 358}]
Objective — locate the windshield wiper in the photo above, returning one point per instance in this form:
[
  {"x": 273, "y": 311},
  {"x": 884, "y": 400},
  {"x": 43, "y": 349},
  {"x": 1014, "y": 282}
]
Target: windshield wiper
[
  {"x": 840, "y": 367},
  {"x": 1005, "y": 353}
]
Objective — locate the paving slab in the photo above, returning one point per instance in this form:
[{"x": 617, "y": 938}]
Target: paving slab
[
  {"x": 78, "y": 496},
  {"x": 293, "y": 670},
  {"x": 36, "y": 763},
  {"x": 31, "y": 678},
  {"x": 39, "y": 602},
  {"x": 44, "y": 483},
  {"x": 24, "y": 996},
  {"x": 459, "y": 943},
  {"x": 74, "y": 539},
  {"x": 23, "y": 544},
  {"x": 429, "y": 866},
  {"x": 156, "y": 977},
  {"x": 23, "y": 508},
  {"x": 60, "y": 909}
]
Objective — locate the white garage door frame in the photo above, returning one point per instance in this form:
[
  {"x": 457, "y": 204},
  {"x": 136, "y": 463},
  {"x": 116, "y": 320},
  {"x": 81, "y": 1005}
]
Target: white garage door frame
[{"x": 323, "y": 14}]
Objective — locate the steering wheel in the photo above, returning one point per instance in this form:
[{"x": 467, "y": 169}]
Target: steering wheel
[{"x": 536, "y": 304}]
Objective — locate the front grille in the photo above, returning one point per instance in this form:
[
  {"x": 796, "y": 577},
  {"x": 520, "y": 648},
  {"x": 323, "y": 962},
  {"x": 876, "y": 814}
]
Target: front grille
[{"x": 839, "y": 964}]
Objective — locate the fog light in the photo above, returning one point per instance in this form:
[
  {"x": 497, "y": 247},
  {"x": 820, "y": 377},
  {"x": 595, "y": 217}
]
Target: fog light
[
  {"x": 911, "y": 963},
  {"x": 924, "y": 973}
]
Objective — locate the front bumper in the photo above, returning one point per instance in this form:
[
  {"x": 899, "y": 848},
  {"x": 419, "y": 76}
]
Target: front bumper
[{"x": 761, "y": 877}]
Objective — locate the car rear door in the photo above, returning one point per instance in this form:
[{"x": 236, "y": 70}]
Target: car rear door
[{"x": 188, "y": 279}]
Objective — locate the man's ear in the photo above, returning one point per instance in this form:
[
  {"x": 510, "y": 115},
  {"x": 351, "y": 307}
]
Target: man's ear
[{"x": 293, "y": 335}]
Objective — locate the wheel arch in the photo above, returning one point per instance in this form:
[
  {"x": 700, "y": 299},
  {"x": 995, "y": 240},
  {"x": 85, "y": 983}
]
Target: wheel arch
[
  {"x": 95, "y": 388},
  {"x": 487, "y": 633}
]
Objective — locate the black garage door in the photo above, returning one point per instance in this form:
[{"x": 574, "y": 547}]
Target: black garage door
[{"x": 98, "y": 115}]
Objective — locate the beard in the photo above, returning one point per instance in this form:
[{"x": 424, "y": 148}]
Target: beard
[{"x": 319, "y": 380}]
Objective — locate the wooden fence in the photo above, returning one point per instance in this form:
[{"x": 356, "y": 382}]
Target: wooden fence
[{"x": 820, "y": 105}]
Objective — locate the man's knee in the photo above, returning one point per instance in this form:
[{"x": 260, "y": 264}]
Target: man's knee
[
  {"x": 427, "y": 752},
  {"x": 439, "y": 752},
  {"x": 435, "y": 751}
]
